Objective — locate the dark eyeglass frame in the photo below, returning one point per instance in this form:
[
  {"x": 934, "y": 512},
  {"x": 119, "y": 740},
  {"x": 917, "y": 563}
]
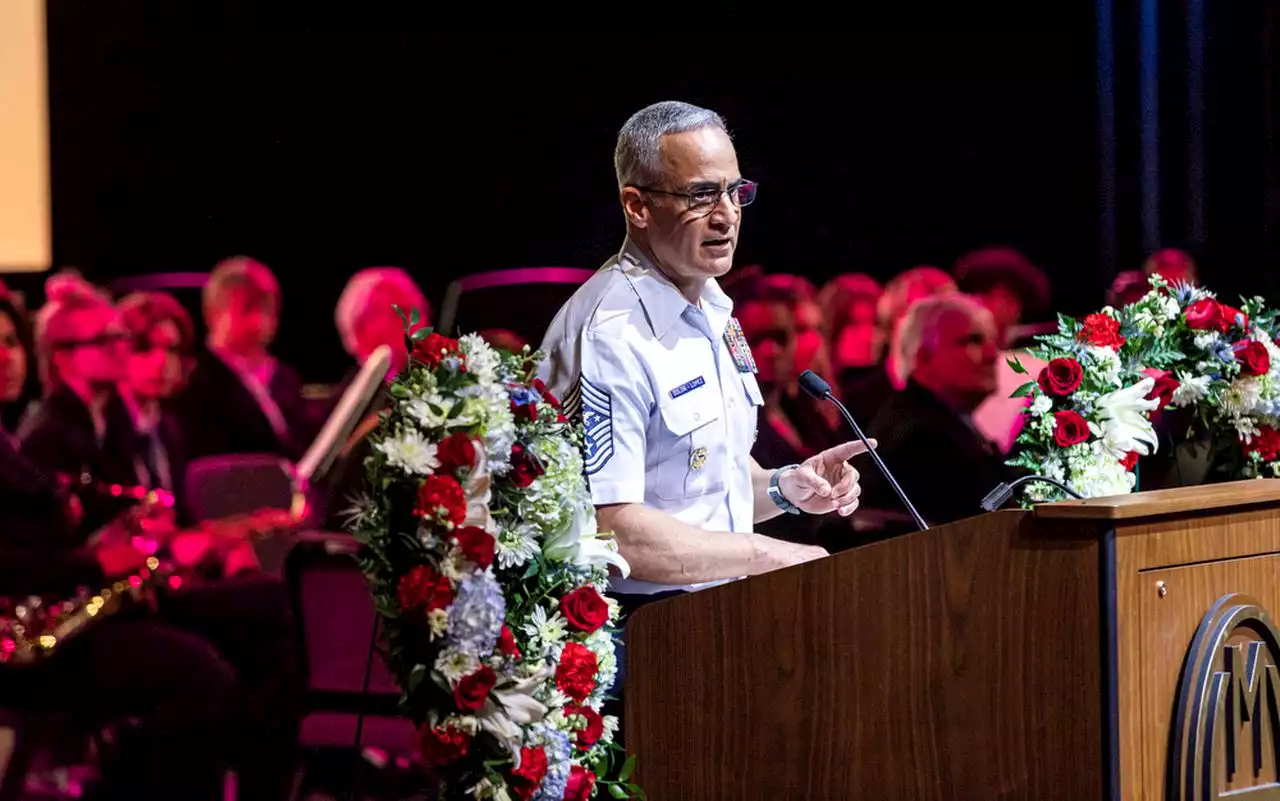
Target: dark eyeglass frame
[{"x": 709, "y": 203}]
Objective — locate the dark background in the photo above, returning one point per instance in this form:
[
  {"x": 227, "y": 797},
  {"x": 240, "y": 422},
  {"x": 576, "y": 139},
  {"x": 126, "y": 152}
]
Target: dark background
[{"x": 321, "y": 145}]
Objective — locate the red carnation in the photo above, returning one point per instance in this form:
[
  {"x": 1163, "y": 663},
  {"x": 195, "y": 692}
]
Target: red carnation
[
  {"x": 595, "y": 726},
  {"x": 473, "y": 689},
  {"x": 440, "y": 746},
  {"x": 507, "y": 643},
  {"x": 456, "y": 452},
  {"x": 580, "y": 785},
  {"x": 576, "y": 673},
  {"x": 423, "y": 586},
  {"x": 1130, "y": 460},
  {"x": 525, "y": 467},
  {"x": 441, "y": 498},
  {"x": 584, "y": 609},
  {"x": 1266, "y": 444},
  {"x": 1163, "y": 389},
  {"x": 1253, "y": 357},
  {"x": 1102, "y": 331},
  {"x": 1069, "y": 429},
  {"x": 526, "y": 779},
  {"x": 1061, "y": 376},
  {"x": 432, "y": 349},
  {"x": 477, "y": 545}
]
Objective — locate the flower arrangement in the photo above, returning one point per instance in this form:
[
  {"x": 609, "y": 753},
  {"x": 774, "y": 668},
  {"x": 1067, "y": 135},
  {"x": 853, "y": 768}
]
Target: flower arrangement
[
  {"x": 1111, "y": 375},
  {"x": 481, "y": 551}
]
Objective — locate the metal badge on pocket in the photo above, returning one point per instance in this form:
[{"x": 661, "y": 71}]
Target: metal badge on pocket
[{"x": 698, "y": 459}]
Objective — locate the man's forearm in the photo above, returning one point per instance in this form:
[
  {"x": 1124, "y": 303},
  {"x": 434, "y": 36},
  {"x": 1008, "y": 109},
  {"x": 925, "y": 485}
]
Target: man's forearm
[{"x": 663, "y": 550}]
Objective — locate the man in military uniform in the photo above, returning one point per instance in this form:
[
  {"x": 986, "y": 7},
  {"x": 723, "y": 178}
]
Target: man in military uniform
[{"x": 648, "y": 353}]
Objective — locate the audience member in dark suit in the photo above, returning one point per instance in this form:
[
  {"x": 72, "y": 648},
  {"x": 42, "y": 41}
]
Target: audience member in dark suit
[
  {"x": 18, "y": 357},
  {"x": 240, "y": 398},
  {"x": 926, "y": 435}
]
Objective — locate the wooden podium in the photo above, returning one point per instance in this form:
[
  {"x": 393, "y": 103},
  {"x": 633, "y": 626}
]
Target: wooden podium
[{"x": 1117, "y": 648}]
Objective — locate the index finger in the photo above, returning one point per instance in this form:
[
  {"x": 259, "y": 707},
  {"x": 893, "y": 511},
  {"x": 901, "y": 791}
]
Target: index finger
[{"x": 851, "y": 449}]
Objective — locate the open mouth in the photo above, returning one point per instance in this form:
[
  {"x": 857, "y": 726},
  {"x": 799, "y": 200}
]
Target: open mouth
[{"x": 716, "y": 243}]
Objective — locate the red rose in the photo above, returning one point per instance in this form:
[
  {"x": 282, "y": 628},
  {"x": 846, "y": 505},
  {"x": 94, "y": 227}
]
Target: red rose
[
  {"x": 1061, "y": 376},
  {"x": 585, "y": 609},
  {"x": 1102, "y": 331},
  {"x": 1069, "y": 429},
  {"x": 441, "y": 498},
  {"x": 423, "y": 586},
  {"x": 456, "y": 452},
  {"x": 595, "y": 726},
  {"x": 533, "y": 769},
  {"x": 1266, "y": 444},
  {"x": 507, "y": 643},
  {"x": 477, "y": 545},
  {"x": 433, "y": 348},
  {"x": 440, "y": 746},
  {"x": 1205, "y": 315},
  {"x": 473, "y": 689},
  {"x": 1253, "y": 357},
  {"x": 576, "y": 673},
  {"x": 1163, "y": 389},
  {"x": 525, "y": 467},
  {"x": 525, "y": 411},
  {"x": 581, "y": 783},
  {"x": 1130, "y": 460}
]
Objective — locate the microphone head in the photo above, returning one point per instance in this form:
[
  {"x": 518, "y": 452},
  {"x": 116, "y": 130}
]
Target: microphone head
[{"x": 814, "y": 386}]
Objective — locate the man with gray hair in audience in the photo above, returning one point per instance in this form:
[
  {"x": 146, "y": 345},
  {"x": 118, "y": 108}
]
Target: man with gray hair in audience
[{"x": 926, "y": 432}]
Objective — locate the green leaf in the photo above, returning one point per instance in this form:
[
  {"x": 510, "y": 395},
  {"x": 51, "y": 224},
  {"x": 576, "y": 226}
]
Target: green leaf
[
  {"x": 636, "y": 791},
  {"x": 421, "y": 333},
  {"x": 414, "y": 317},
  {"x": 628, "y": 768},
  {"x": 400, "y": 313},
  {"x": 1025, "y": 390},
  {"x": 1015, "y": 365},
  {"x": 530, "y": 570},
  {"x": 617, "y": 791}
]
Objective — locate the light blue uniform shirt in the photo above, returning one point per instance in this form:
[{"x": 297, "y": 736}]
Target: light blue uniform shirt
[{"x": 670, "y": 416}]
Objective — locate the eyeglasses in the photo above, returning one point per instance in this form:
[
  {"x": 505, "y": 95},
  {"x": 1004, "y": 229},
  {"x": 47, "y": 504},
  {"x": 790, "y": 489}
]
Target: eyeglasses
[
  {"x": 706, "y": 198},
  {"x": 104, "y": 340}
]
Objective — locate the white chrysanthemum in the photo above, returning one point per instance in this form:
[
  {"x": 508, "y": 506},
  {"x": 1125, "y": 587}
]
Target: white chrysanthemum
[
  {"x": 456, "y": 567},
  {"x": 546, "y": 632},
  {"x": 1040, "y": 406},
  {"x": 1246, "y": 428},
  {"x": 487, "y": 788},
  {"x": 454, "y": 663},
  {"x": 1191, "y": 389},
  {"x": 516, "y": 544},
  {"x": 610, "y": 728},
  {"x": 410, "y": 452},
  {"x": 1241, "y": 396},
  {"x": 482, "y": 360},
  {"x": 1206, "y": 340},
  {"x": 1106, "y": 365},
  {"x": 438, "y": 622}
]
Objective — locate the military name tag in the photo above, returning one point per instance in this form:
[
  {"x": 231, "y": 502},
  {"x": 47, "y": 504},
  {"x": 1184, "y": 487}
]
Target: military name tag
[{"x": 738, "y": 347}]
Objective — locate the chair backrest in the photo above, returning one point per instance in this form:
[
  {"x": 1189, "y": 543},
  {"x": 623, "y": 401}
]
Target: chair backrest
[
  {"x": 523, "y": 300},
  {"x": 336, "y": 616},
  {"x": 237, "y": 484}
]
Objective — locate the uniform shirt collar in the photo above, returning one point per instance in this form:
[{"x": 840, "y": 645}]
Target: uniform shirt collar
[{"x": 663, "y": 304}]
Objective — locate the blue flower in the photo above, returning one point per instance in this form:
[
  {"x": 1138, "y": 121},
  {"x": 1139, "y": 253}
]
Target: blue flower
[
  {"x": 1224, "y": 352},
  {"x": 523, "y": 396},
  {"x": 475, "y": 619},
  {"x": 1183, "y": 292},
  {"x": 556, "y": 746}
]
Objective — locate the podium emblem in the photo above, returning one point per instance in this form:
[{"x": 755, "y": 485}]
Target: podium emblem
[{"x": 1224, "y": 743}]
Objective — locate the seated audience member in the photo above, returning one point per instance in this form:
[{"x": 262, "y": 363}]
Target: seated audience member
[
  {"x": 161, "y": 338},
  {"x": 366, "y": 314},
  {"x": 240, "y": 398},
  {"x": 80, "y": 431},
  {"x": 926, "y": 432},
  {"x": 1173, "y": 265},
  {"x": 815, "y": 421},
  {"x": 18, "y": 384},
  {"x": 1012, "y": 289},
  {"x": 1128, "y": 287},
  {"x": 503, "y": 339},
  {"x": 848, "y": 304},
  {"x": 865, "y": 394}
]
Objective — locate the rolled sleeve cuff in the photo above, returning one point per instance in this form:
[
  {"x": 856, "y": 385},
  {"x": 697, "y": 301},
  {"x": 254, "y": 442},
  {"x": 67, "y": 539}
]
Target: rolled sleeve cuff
[{"x": 605, "y": 492}]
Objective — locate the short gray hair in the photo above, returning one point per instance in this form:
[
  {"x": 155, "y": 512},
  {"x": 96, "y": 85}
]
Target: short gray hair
[
  {"x": 921, "y": 329},
  {"x": 637, "y": 158}
]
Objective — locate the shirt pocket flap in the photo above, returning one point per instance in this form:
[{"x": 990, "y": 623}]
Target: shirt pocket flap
[
  {"x": 753, "y": 389},
  {"x": 682, "y": 415}
]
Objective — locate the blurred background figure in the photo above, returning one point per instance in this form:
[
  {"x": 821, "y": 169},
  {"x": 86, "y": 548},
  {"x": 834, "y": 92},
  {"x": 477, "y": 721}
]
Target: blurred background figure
[
  {"x": 366, "y": 315},
  {"x": 864, "y": 394},
  {"x": 161, "y": 337},
  {"x": 848, "y": 304},
  {"x": 1173, "y": 265},
  {"x": 18, "y": 384},
  {"x": 504, "y": 339},
  {"x": 241, "y": 398},
  {"x": 1128, "y": 287},
  {"x": 1010, "y": 286}
]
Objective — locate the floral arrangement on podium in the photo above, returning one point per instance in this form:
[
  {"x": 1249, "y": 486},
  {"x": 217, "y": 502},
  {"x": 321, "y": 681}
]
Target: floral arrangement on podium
[
  {"x": 481, "y": 551},
  {"x": 1109, "y": 377}
]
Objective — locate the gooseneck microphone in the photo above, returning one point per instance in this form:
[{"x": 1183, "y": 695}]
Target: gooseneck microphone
[{"x": 818, "y": 389}]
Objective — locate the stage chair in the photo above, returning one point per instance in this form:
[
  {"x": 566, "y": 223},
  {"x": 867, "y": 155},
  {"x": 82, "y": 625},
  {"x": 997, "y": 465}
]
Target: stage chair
[{"x": 522, "y": 300}]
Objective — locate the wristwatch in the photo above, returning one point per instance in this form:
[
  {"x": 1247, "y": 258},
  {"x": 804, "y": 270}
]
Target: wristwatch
[{"x": 775, "y": 492}]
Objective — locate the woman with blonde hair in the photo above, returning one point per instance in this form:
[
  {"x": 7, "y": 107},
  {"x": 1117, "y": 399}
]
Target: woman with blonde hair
[{"x": 366, "y": 313}]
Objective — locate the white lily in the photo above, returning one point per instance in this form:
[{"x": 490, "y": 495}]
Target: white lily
[
  {"x": 580, "y": 543},
  {"x": 511, "y": 705},
  {"x": 1123, "y": 425},
  {"x": 476, "y": 488}
]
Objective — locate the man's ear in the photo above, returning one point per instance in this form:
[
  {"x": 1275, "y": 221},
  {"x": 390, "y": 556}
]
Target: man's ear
[{"x": 634, "y": 207}]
